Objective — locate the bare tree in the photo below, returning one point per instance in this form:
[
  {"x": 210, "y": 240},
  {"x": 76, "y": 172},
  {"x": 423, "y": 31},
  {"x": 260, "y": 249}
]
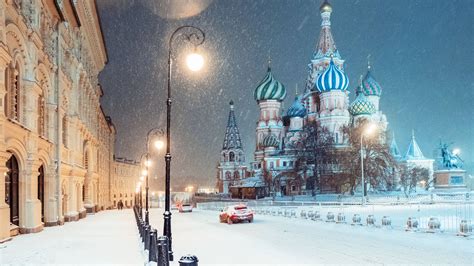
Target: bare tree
[
  {"x": 411, "y": 176},
  {"x": 378, "y": 161}
]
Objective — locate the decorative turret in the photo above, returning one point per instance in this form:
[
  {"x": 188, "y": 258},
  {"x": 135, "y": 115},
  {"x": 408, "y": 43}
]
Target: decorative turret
[
  {"x": 332, "y": 79},
  {"x": 361, "y": 106},
  {"x": 414, "y": 151},
  {"x": 270, "y": 88},
  {"x": 297, "y": 109},
  {"x": 232, "y": 163},
  {"x": 270, "y": 141},
  {"x": 394, "y": 149}
]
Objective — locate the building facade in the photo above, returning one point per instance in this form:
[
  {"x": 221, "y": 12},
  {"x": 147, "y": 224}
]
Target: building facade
[
  {"x": 124, "y": 181},
  {"x": 56, "y": 144}
]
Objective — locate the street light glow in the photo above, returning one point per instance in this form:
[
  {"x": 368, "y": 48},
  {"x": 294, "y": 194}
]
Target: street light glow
[
  {"x": 142, "y": 178},
  {"x": 159, "y": 144},
  {"x": 144, "y": 172},
  {"x": 194, "y": 61},
  {"x": 148, "y": 163},
  {"x": 456, "y": 151},
  {"x": 370, "y": 128}
]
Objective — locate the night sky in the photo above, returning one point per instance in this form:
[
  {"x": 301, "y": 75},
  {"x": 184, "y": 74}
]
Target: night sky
[{"x": 421, "y": 51}]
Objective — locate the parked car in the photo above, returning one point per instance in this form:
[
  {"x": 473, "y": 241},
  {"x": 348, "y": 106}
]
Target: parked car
[
  {"x": 235, "y": 214},
  {"x": 186, "y": 207}
]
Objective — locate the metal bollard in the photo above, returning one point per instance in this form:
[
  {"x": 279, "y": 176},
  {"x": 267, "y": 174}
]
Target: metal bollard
[
  {"x": 142, "y": 228},
  {"x": 386, "y": 221},
  {"x": 356, "y": 219},
  {"x": 188, "y": 260},
  {"x": 316, "y": 216},
  {"x": 412, "y": 224},
  {"x": 465, "y": 228},
  {"x": 153, "y": 251},
  {"x": 146, "y": 239},
  {"x": 434, "y": 225},
  {"x": 330, "y": 217},
  {"x": 163, "y": 251},
  {"x": 303, "y": 214},
  {"x": 370, "y": 220},
  {"x": 341, "y": 218}
]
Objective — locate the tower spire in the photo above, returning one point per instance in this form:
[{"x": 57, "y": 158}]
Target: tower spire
[{"x": 232, "y": 136}]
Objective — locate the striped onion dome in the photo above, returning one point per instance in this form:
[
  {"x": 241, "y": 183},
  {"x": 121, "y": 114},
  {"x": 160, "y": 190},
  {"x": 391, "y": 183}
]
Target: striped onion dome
[
  {"x": 332, "y": 79},
  {"x": 370, "y": 86},
  {"x": 361, "y": 106},
  {"x": 297, "y": 109},
  {"x": 270, "y": 89},
  {"x": 270, "y": 140}
]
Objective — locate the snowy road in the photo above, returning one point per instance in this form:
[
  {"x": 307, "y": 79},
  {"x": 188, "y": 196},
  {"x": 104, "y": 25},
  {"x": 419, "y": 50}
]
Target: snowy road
[
  {"x": 111, "y": 237},
  {"x": 278, "y": 240}
]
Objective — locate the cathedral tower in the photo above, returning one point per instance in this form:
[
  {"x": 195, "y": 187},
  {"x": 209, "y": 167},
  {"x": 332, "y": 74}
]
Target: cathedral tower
[
  {"x": 232, "y": 162},
  {"x": 269, "y": 95}
]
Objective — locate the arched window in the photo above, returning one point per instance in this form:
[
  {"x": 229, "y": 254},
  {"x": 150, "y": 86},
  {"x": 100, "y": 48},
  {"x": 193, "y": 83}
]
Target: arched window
[
  {"x": 12, "y": 189},
  {"x": 13, "y": 93},
  {"x": 236, "y": 175},
  {"x": 41, "y": 116},
  {"x": 41, "y": 190},
  {"x": 228, "y": 175},
  {"x": 231, "y": 156}
]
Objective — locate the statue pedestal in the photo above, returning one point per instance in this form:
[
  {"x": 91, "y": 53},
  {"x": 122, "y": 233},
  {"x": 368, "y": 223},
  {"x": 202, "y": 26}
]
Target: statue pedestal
[{"x": 450, "y": 179}]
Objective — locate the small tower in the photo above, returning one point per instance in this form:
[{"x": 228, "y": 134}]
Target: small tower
[
  {"x": 333, "y": 112},
  {"x": 232, "y": 162},
  {"x": 324, "y": 53},
  {"x": 415, "y": 158},
  {"x": 269, "y": 95}
]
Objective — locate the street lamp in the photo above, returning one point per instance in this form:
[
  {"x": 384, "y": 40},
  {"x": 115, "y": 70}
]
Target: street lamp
[
  {"x": 370, "y": 128},
  {"x": 139, "y": 189},
  {"x": 195, "y": 36},
  {"x": 151, "y": 132}
]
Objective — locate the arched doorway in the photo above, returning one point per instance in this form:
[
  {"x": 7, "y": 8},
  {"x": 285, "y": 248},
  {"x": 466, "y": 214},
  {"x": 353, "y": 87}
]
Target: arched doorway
[
  {"x": 41, "y": 190},
  {"x": 12, "y": 189}
]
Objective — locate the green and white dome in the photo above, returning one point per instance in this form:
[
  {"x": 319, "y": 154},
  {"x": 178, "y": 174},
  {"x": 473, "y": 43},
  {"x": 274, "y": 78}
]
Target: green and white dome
[
  {"x": 361, "y": 106},
  {"x": 270, "y": 140},
  {"x": 270, "y": 89}
]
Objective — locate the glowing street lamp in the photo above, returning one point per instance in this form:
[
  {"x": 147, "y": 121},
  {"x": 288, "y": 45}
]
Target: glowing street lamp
[
  {"x": 367, "y": 131},
  {"x": 456, "y": 151},
  {"x": 159, "y": 144},
  {"x": 195, "y": 62}
]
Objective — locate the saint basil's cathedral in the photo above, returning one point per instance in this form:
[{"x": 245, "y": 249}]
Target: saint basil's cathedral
[{"x": 325, "y": 100}]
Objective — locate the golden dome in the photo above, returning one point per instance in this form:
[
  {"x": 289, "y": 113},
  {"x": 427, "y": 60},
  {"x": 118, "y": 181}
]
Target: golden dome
[{"x": 325, "y": 7}]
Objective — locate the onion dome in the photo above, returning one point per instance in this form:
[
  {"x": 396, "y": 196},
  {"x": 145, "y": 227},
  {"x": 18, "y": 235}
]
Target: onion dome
[
  {"x": 370, "y": 86},
  {"x": 297, "y": 109},
  {"x": 332, "y": 79},
  {"x": 270, "y": 140},
  {"x": 361, "y": 106},
  {"x": 325, "y": 7},
  {"x": 270, "y": 89}
]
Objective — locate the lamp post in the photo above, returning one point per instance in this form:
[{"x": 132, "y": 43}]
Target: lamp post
[
  {"x": 195, "y": 36},
  {"x": 367, "y": 131},
  {"x": 139, "y": 189},
  {"x": 153, "y": 132}
]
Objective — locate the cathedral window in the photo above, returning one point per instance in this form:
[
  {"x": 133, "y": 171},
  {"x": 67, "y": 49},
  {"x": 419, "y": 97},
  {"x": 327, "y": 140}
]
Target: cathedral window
[
  {"x": 231, "y": 156},
  {"x": 13, "y": 97},
  {"x": 41, "y": 116},
  {"x": 236, "y": 175},
  {"x": 284, "y": 164}
]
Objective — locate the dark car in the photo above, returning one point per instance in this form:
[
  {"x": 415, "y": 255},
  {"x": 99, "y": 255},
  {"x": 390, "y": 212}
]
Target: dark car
[{"x": 235, "y": 214}]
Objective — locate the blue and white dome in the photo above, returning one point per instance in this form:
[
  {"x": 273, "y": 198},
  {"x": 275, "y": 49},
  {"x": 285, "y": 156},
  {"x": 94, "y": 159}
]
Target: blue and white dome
[
  {"x": 361, "y": 106},
  {"x": 270, "y": 89},
  {"x": 370, "y": 86},
  {"x": 332, "y": 79},
  {"x": 270, "y": 140},
  {"x": 297, "y": 109}
]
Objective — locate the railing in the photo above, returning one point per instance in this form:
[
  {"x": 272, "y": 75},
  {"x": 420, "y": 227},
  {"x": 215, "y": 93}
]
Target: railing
[{"x": 454, "y": 213}]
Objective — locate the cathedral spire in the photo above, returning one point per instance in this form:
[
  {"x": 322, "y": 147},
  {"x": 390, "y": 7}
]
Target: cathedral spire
[
  {"x": 232, "y": 136},
  {"x": 414, "y": 151},
  {"x": 326, "y": 41}
]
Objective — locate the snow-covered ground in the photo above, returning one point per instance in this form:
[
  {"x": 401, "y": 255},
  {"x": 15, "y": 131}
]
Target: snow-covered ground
[
  {"x": 111, "y": 237},
  {"x": 278, "y": 240},
  {"x": 108, "y": 237}
]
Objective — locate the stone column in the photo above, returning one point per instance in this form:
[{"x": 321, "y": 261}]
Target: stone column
[{"x": 52, "y": 213}]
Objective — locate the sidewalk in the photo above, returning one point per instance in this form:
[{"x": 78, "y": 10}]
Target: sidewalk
[{"x": 108, "y": 237}]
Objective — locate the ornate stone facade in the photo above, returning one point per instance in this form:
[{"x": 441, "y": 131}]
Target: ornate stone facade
[
  {"x": 56, "y": 144},
  {"x": 124, "y": 181}
]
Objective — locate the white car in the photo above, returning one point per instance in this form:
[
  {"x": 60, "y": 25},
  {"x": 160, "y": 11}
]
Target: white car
[{"x": 185, "y": 207}]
